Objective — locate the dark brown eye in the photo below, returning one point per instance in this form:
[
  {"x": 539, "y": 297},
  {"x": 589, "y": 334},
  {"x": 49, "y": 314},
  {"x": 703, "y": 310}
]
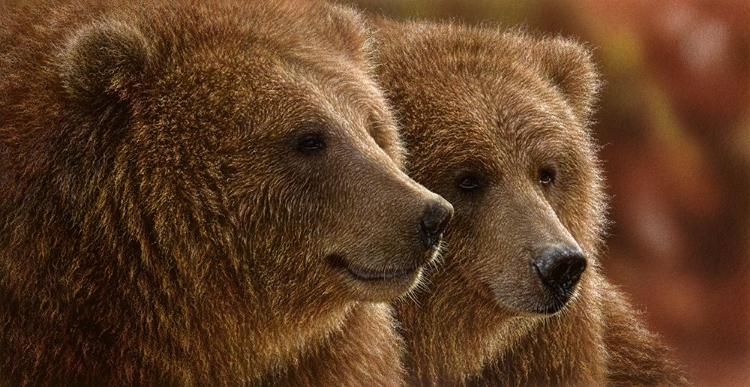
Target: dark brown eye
[
  {"x": 310, "y": 144},
  {"x": 546, "y": 177},
  {"x": 469, "y": 182}
]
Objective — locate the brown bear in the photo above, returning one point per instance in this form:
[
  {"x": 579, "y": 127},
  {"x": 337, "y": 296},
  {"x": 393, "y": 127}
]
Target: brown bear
[
  {"x": 201, "y": 193},
  {"x": 498, "y": 124}
]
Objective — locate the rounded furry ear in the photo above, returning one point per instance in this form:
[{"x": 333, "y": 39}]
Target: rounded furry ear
[
  {"x": 347, "y": 29},
  {"x": 103, "y": 63},
  {"x": 569, "y": 67}
]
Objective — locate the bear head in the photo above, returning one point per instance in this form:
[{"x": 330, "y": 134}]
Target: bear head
[
  {"x": 497, "y": 123},
  {"x": 278, "y": 151}
]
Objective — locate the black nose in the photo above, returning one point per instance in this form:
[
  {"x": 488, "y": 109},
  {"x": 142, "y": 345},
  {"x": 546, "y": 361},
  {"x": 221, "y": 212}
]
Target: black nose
[
  {"x": 434, "y": 220},
  {"x": 560, "y": 268}
]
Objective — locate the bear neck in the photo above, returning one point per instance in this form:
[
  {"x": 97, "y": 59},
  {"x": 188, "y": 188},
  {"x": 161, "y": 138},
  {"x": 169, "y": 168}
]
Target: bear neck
[
  {"x": 364, "y": 349},
  {"x": 459, "y": 337}
]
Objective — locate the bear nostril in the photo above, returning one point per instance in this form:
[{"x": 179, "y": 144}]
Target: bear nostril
[
  {"x": 560, "y": 268},
  {"x": 434, "y": 221}
]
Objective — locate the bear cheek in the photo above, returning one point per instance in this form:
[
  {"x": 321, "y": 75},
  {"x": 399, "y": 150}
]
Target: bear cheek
[
  {"x": 511, "y": 282},
  {"x": 498, "y": 263},
  {"x": 476, "y": 258}
]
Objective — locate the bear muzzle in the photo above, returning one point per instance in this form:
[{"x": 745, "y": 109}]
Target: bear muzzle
[
  {"x": 430, "y": 227},
  {"x": 382, "y": 271}
]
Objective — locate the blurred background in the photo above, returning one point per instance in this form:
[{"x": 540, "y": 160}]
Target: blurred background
[{"x": 674, "y": 122}]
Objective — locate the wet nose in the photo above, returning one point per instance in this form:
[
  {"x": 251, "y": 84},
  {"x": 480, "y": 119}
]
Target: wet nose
[
  {"x": 560, "y": 268},
  {"x": 434, "y": 220}
]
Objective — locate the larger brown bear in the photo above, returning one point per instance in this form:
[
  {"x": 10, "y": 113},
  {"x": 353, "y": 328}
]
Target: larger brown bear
[
  {"x": 497, "y": 123},
  {"x": 200, "y": 193}
]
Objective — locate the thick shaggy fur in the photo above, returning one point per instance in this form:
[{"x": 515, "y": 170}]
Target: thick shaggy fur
[
  {"x": 187, "y": 190},
  {"x": 497, "y": 123}
]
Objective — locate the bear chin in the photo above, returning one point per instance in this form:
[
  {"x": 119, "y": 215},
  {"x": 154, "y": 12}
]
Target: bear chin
[
  {"x": 541, "y": 305},
  {"x": 377, "y": 284}
]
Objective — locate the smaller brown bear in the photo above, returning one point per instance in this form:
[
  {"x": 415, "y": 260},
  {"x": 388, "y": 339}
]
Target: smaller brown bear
[
  {"x": 200, "y": 193},
  {"x": 497, "y": 123}
]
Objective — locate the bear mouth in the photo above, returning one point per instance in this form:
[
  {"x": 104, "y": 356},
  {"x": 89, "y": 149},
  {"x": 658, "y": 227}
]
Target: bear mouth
[
  {"x": 371, "y": 275},
  {"x": 554, "y": 306},
  {"x": 553, "y": 301}
]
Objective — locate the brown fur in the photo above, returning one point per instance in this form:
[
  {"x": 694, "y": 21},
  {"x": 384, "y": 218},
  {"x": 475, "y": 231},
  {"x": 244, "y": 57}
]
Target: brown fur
[
  {"x": 187, "y": 191},
  {"x": 498, "y": 108}
]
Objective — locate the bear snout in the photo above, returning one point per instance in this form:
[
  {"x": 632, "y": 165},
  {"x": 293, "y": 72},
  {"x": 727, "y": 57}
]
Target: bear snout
[
  {"x": 560, "y": 268},
  {"x": 435, "y": 218}
]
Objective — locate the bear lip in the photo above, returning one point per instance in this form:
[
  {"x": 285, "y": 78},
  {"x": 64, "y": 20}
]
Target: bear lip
[
  {"x": 379, "y": 275},
  {"x": 555, "y": 307},
  {"x": 368, "y": 275}
]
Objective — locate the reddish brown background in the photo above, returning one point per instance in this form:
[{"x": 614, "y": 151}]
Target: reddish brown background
[{"x": 674, "y": 120}]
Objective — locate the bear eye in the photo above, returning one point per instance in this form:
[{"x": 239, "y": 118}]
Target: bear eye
[
  {"x": 469, "y": 183},
  {"x": 546, "y": 176},
  {"x": 311, "y": 143}
]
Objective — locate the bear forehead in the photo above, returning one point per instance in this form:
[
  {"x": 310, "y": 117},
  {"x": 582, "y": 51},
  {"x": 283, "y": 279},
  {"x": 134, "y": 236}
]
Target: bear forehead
[
  {"x": 210, "y": 59},
  {"x": 499, "y": 138},
  {"x": 446, "y": 48},
  {"x": 509, "y": 106},
  {"x": 485, "y": 91},
  {"x": 272, "y": 89},
  {"x": 496, "y": 117},
  {"x": 229, "y": 28}
]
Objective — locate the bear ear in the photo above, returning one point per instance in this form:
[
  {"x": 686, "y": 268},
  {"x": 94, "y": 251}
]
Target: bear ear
[
  {"x": 347, "y": 29},
  {"x": 569, "y": 66},
  {"x": 104, "y": 63}
]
